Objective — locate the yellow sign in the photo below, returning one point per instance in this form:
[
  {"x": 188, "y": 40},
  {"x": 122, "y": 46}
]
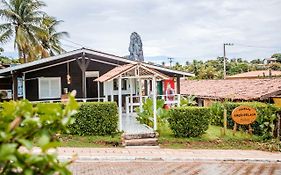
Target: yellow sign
[
  {"x": 244, "y": 115},
  {"x": 277, "y": 101}
]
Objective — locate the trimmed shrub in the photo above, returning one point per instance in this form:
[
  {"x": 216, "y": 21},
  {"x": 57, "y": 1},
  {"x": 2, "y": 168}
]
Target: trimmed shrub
[
  {"x": 189, "y": 121},
  {"x": 95, "y": 118},
  {"x": 263, "y": 126}
]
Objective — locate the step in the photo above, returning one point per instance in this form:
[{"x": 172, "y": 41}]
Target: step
[
  {"x": 141, "y": 142},
  {"x": 126, "y": 136}
]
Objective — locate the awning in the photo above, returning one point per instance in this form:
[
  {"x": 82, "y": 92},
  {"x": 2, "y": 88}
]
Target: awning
[{"x": 137, "y": 70}]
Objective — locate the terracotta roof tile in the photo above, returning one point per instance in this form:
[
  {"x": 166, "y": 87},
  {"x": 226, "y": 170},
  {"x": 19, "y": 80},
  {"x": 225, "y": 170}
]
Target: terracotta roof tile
[
  {"x": 255, "y": 74},
  {"x": 242, "y": 89}
]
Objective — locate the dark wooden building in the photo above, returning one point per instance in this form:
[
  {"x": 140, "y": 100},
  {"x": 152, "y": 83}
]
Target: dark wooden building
[{"x": 49, "y": 78}]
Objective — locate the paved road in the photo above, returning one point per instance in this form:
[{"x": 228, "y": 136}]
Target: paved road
[{"x": 167, "y": 168}]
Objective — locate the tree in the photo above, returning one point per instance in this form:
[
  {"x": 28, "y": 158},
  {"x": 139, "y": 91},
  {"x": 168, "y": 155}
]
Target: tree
[
  {"x": 275, "y": 66},
  {"x": 22, "y": 125},
  {"x": 33, "y": 31},
  {"x": 256, "y": 61},
  {"x": 6, "y": 60},
  {"x": 51, "y": 38},
  {"x": 23, "y": 19},
  {"x": 277, "y": 56}
]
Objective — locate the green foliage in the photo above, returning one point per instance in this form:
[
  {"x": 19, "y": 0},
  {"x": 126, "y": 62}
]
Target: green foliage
[
  {"x": 266, "y": 116},
  {"x": 188, "y": 101},
  {"x": 275, "y": 66},
  {"x": 96, "y": 118},
  {"x": 6, "y": 60},
  {"x": 216, "y": 111},
  {"x": 277, "y": 56},
  {"x": 189, "y": 121},
  {"x": 22, "y": 125},
  {"x": 25, "y": 24},
  {"x": 213, "y": 68},
  {"x": 146, "y": 115}
]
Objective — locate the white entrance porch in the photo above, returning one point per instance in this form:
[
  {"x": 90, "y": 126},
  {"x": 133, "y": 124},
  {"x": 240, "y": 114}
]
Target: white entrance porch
[{"x": 135, "y": 74}]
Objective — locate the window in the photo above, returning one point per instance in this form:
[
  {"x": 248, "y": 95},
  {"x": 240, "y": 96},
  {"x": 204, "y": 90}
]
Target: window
[
  {"x": 49, "y": 87},
  {"x": 123, "y": 84},
  {"x": 115, "y": 84}
]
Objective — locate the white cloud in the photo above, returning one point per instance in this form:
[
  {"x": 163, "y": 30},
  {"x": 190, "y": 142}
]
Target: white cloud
[{"x": 179, "y": 28}]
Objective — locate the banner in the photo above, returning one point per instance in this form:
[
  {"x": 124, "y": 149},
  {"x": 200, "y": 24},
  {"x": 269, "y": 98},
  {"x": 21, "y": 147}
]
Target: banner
[{"x": 169, "y": 89}]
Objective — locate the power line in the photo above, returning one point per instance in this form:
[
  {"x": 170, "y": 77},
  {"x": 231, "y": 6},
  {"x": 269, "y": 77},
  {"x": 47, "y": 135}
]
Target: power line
[
  {"x": 260, "y": 47},
  {"x": 67, "y": 40}
]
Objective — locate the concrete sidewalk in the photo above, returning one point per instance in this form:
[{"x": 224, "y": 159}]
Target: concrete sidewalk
[{"x": 169, "y": 155}]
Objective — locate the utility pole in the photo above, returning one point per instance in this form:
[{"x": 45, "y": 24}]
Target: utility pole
[
  {"x": 224, "y": 58},
  {"x": 170, "y": 60}
]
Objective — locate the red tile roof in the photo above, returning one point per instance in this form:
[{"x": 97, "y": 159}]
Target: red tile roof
[
  {"x": 236, "y": 89},
  {"x": 256, "y": 74}
]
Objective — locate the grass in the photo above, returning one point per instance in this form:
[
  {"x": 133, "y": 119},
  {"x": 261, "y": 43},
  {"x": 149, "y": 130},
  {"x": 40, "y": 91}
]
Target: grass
[
  {"x": 213, "y": 139},
  {"x": 90, "y": 141}
]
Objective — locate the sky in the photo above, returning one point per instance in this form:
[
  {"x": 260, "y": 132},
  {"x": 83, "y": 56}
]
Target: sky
[{"x": 182, "y": 29}]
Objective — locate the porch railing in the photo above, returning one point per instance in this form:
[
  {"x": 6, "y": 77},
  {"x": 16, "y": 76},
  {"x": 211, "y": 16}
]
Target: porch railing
[
  {"x": 101, "y": 99},
  {"x": 136, "y": 102}
]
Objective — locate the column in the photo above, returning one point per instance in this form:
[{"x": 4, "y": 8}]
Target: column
[
  {"x": 98, "y": 91},
  {"x": 15, "y": 86},
  {"x": 120, "y": 102},
  {"x": 154, "y": 103},
  {"x": 23, "y": 86},
  {"x": 178, "y": 84},
  {"x": 140, "y": 94},
  {"x": 131, "y": 95}
]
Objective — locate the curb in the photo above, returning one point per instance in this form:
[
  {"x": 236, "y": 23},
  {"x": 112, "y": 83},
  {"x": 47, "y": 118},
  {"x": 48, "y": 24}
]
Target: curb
[{"x": 164, "y": 159}]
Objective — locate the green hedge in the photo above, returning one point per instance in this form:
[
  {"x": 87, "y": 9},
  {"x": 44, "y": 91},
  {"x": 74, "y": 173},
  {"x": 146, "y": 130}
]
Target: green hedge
[
  {"x": 189, "y": 121},
  {"x": 263, "y": 126},
  {"x": 95, "y": 118}
]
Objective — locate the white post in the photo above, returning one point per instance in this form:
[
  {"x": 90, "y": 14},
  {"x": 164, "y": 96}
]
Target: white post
[
  {"x": 154, "y": 102},
  {"x": 23, "y": 86},
  {"x": 131, "y": 95},
  {"x": 98, "y": 91},
  {"x": 179, "y": 100},
  {"x": 120, "y": 102},
  {"x": 140, "y": 94},
  {"x": 111, "y": 90},
  {"x": 127, "y": 105}
]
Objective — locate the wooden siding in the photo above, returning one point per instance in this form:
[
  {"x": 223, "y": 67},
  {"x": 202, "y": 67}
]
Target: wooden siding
[{"x": 61, "y": 71}]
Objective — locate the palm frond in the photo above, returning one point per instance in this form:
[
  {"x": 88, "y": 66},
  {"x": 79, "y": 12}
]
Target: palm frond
[
  {"x": 5, "y": 26},
  {"x": 6, "y": 36},
  {"x": 60, "y": 35}
]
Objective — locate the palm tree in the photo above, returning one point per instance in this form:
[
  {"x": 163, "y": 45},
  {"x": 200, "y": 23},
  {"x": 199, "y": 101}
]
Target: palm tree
[
  {"x": 50, "y": 40},
  {"x": 23, "y": 19}
]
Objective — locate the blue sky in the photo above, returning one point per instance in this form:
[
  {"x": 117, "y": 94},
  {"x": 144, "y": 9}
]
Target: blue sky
[{"x": 183, "y": 29}]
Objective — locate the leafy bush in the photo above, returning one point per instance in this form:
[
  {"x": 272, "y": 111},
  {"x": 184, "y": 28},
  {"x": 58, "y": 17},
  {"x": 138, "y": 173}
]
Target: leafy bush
[
  {"x": 95, "y": 118},
  {"x": 189, "y": 121},
  {"x": 146, "y": 115},
  {"x": 263, "y": 126},
  {"x": 22, "y": 125},
  {"x": 188, "y": 101},
  {"x": 216, "y": 111}
]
